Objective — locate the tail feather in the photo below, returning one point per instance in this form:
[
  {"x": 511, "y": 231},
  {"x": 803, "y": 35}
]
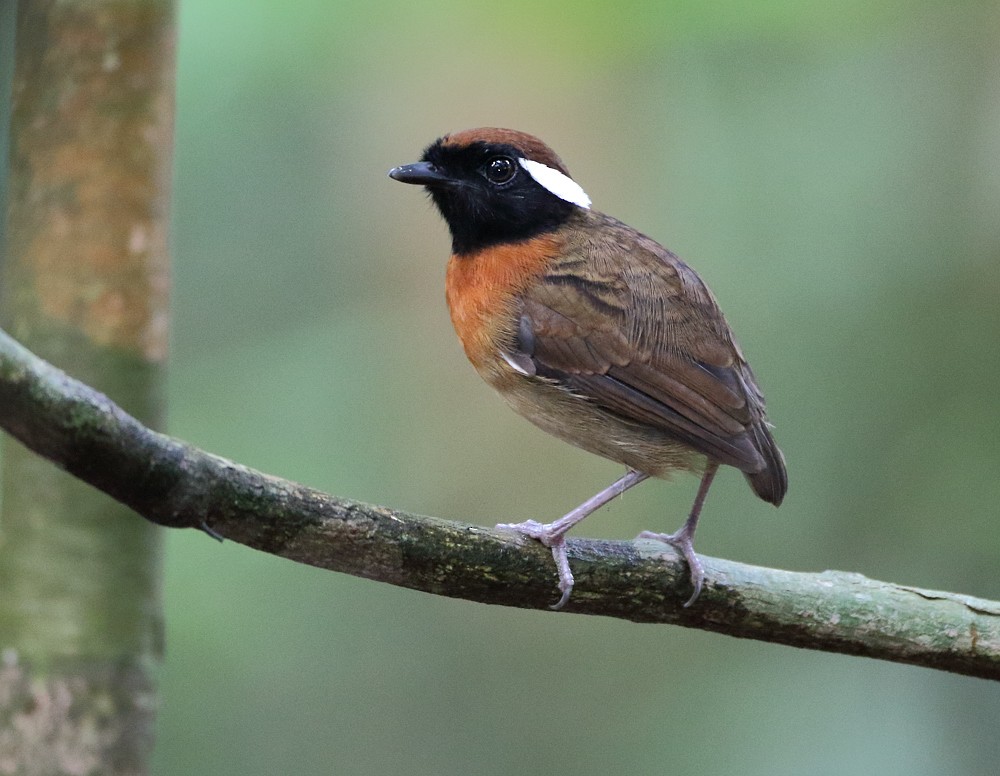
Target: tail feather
[{"x": 771, "y": 482}]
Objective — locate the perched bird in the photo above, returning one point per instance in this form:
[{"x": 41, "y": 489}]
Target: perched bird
[{"x": 591, "y": 330}]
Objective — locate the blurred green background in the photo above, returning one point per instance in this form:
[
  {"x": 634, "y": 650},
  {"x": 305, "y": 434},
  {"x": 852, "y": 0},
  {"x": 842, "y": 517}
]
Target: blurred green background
[{"x": 832, "y": 169}]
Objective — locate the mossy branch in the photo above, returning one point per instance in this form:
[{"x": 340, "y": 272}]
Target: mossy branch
[{"x": 174, "y": 484}]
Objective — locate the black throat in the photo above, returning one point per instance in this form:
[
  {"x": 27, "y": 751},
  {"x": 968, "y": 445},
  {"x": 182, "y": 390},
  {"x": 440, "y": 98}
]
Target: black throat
[{"x": 472, "y": 229}]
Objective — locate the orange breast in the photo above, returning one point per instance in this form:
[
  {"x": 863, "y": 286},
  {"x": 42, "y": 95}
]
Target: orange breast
[{"x": 482, "y": 290}]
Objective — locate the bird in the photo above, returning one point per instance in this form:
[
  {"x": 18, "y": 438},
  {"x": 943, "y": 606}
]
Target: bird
[{"x": 592, "y": 331}]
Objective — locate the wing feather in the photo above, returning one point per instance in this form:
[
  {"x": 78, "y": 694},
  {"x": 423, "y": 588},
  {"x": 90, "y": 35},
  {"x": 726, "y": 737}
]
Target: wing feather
[{"x": 648, "y": 344}]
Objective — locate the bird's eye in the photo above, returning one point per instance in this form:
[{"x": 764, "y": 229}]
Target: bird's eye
[{"x": 499, "y": 169}]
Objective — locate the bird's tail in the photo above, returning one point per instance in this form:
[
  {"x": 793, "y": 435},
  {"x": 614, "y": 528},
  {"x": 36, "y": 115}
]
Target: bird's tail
[{"x": 771, "y": 482}]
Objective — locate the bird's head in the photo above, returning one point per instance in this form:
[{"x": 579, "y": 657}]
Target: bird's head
[{"x": 495, "y": 186}]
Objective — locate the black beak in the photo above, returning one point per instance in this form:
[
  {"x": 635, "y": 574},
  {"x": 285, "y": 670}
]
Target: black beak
[{"x": 421, "y": 173}]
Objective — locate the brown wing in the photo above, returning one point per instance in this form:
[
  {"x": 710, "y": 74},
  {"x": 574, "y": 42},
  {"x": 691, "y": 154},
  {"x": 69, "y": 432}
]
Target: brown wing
[{"x": 648, "y": 343}]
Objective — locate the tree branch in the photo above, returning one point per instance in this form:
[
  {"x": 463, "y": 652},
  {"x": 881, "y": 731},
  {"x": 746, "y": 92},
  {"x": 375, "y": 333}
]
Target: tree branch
[{"x": 175, "y": 484}]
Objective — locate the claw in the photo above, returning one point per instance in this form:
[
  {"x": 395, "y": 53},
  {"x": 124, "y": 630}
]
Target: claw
[
  {"x": 551, "y": 537},
  {"x": 530, "y": 528},
  {"x": 681, "y": 540},
  {"x": 565, "y": 575}
]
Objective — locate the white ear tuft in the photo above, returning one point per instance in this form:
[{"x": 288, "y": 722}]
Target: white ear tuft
[{"x": 561, "y": 185}]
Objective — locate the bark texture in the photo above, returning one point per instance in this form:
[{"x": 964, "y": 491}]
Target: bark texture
[{"x": 84, "y": 281}]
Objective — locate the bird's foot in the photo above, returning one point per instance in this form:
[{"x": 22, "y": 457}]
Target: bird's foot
[
  {"x": 555, "y": 540},
  {"x": 682, "y": 540}
]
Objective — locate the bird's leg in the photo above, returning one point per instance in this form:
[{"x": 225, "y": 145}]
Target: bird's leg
[
  {"x": 553, "y": 535},
  {"x": 683, "y": 539}
]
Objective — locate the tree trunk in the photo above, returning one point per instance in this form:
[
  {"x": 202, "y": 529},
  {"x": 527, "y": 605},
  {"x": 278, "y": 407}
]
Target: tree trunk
[{"x": 84, "y": 280}]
